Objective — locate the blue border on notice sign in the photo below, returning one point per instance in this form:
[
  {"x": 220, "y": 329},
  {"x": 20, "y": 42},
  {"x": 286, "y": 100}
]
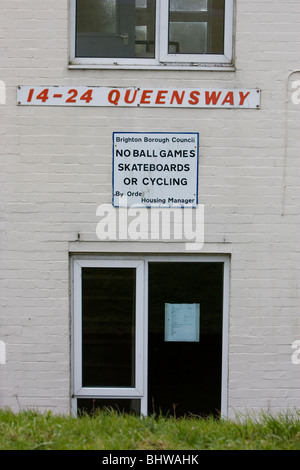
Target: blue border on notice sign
[{"x": 156, "y": 133}]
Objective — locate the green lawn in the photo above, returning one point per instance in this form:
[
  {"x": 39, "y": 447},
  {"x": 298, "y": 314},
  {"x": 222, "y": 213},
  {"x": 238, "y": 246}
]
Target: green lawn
[{"x": 111, "y": 431}]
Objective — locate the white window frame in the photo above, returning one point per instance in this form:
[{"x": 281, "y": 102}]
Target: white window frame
[
  {"x": 163, "y": 59},
  {"x": 79, "y": 390}
]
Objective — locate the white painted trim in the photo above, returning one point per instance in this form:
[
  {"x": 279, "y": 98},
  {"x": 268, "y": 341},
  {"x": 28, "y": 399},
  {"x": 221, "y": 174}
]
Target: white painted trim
[
  {"x": 109, "y": 392},
  {"x": 72, "y": 29},
  {"x": 77, "y": 328},
  {"x": 225, "y": 339},
  {"x": 144, "y": 400},
  {"x": 228, "y": 30},
  {"x": 78, "y": 65},
  {"x": 103, "y": 392}
]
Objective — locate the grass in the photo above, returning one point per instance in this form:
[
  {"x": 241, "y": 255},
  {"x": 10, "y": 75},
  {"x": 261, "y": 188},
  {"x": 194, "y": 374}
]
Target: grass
[{"x": 111, "y": 431}]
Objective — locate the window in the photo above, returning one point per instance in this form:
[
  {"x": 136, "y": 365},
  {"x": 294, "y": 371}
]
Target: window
[
  {"x": 145, "y": 33},
  {"x": 108, "y": 351}
]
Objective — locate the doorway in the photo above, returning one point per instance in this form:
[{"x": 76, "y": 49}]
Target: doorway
[
  {"x": 150, "y": 334},
  {"x": 185, "y": 338}
]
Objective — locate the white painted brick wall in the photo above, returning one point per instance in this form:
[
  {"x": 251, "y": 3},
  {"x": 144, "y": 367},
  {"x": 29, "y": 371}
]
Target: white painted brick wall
[{"x": 55, "y": 169}]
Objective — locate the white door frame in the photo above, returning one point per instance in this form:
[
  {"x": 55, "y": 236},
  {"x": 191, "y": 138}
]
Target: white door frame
[
  {"x": 140, "y": 262},
  {"x": 105, "y": 392}
]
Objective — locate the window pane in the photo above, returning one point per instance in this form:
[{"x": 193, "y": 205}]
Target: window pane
[
  {"x": 188, "y": 5},
  {"x": 141, "y": 3},
  {"x": 196, "y": 26},
  {"x": 145, "y": 28},
  {"x": 115, "y": 28},
  {"x": 108, "y": 327},
  {"x": 181, "y": 34},
  {"x": 94, "y": 16}
]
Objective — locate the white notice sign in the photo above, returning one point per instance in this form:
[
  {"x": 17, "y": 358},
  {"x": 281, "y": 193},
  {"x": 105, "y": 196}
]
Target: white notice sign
[
  {"x": 182, "y": 322},
  {"x": 155, "y": 169}
]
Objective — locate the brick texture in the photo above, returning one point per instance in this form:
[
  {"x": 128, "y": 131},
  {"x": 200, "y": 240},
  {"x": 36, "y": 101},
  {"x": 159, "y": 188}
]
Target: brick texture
[{"x": 55, "y": 169}]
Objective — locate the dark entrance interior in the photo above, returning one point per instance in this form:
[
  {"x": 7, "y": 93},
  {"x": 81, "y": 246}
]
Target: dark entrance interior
[{"x": 184, "y": 373}]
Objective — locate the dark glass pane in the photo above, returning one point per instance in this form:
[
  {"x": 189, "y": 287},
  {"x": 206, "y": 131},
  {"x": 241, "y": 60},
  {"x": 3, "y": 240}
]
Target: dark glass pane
[
  {"x": 94, "y": 16},
  {"x": 92, "y": 406},
  {"x": 115, "y": 28},
  {"x": 108, "y": 327},
  {"x": 185, "y": 374},
  {"x": 196, "y": 26}
]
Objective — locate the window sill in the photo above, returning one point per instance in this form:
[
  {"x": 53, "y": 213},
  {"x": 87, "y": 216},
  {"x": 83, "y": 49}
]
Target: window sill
[{"x": 176, "y": 67}]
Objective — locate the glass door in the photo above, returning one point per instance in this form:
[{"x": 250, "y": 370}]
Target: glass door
[
  {"x": 185, "y": 338},
  {"x": 108, "y": 332}
]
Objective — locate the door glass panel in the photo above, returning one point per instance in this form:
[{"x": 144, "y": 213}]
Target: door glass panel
[
  {"x": 108, "y": 327},
  {"x": 185, "y": 338},
  {"x": 115, "y": 28},
  {"x": 196, "y": 26}
]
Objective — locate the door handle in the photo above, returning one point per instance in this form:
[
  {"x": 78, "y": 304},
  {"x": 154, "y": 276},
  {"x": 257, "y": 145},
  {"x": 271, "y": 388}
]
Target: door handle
[{"x": 125, "y": 37}]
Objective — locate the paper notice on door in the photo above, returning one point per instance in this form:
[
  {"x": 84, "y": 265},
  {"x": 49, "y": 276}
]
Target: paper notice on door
[{"x": 182, "y": 322}]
